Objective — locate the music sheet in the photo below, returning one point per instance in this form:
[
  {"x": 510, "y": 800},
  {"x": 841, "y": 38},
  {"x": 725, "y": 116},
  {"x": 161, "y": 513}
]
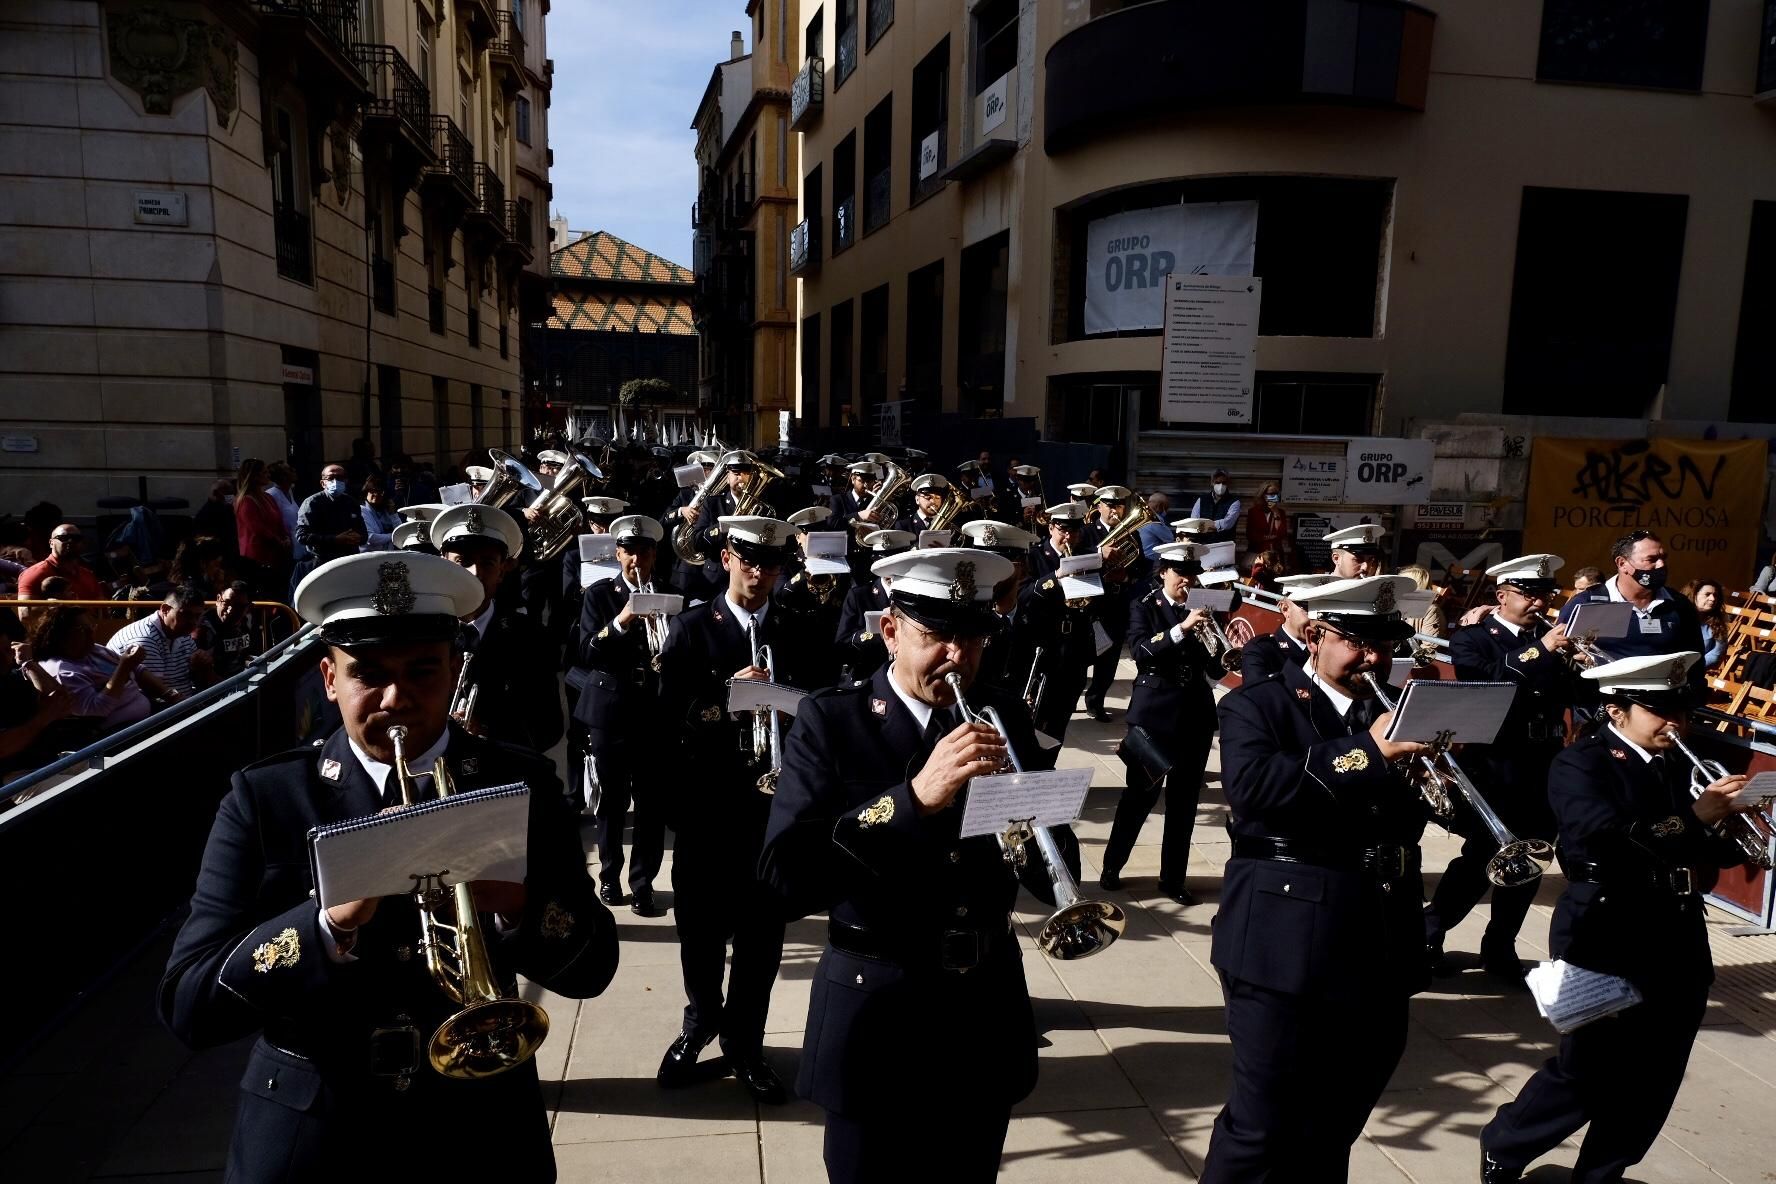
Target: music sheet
[
  {"x": 1050, "y": 798},
  {"x": 750, "y": 694},
  {"x": 1218, "y": 600},
  {"x": 647, "y": 604},
  {"x": 826, "y": 553},
  {"x": 1601, "y": 618},
  {"x": 1471, "y": 712},
  {"x": 1570, "y": 996},
  {"x": 480, "y": 835}
]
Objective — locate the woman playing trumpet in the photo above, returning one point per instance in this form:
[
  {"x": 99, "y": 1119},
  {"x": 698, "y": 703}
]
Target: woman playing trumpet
[{"x": 1638, "y": 850}]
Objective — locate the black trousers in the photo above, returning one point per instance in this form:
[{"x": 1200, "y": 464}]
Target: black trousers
[
  {"x": 884, "y": 1149},
  {"x": 1619, "y": 1074},
  {"x": 1183, "y": 790},
  {"x": 1464, "y": 882},
  {"x": 1061, "y": 697},
  {"x": 718, "y": 901},
  {"x": 539, "y": 590},
  {"x": 1306, "y": 1073},
  {"x": 627, "y": 782},
  {"x": 1114, "y": 615}
]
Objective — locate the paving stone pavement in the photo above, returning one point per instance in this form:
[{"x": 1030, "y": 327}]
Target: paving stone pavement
[{"x": 1134, "y": 1058}]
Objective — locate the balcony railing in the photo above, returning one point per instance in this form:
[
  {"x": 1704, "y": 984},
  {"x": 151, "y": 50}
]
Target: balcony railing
[
  {"x": 456, "y": 156},
  {"x": 807, "y": 96},
  {"x": 518, "y": 225},
  {"x": 506, "y": 51},
  {"x": 295, "y": 244},
  {"x": 878, "y": 197},
  {"x": 844, "y": 223},
  {"x": 490, "y": 193},
  {"x": 336, "y": 20},
  {"x": 699, "y": 213},
  {"x": 397, "y": 91},
  {"x": 804, "y": 247},
  {"x": 847, "y": 56},
  {"x": 382, "y": 284},
  {"x": 739, "y": 201}
]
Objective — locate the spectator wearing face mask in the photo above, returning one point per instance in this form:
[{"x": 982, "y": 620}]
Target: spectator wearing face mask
[
  {"x": 1267, "y": 523},
  {"x": 1663, "y": 622},
  {"x": 329, "y": 523},
  {"x": 1220, "y": 506}
]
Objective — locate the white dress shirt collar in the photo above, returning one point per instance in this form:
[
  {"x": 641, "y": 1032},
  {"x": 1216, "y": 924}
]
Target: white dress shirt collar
[
  {"x": 1340, "y": 701},
  {"x": 1644, "y": 754},
  {"x": 483, "y": 619},
  {"x": 917, "y": 708},
  {"x": 745, "y": 618},
  {"x": 420, "y": 766}
]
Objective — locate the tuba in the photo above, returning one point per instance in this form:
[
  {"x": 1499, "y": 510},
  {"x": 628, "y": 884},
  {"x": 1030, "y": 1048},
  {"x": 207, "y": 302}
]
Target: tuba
[
  {"x": 1435, "y": 773},
  {"x": 881, "y": 503},
  {"x": 751, "y": 498},
  {"x": 1751, "y": 831},
  {"x": 1077, "y": 928},
  {"x": 1124, "y": 540},
  {"x": 559, "y": 506},
  {"x": 684, "y": 534},
  {"x": 511, "y": 480},
  {"x": 955, "y": 501},
  {"x": 493, "y": 1032}
]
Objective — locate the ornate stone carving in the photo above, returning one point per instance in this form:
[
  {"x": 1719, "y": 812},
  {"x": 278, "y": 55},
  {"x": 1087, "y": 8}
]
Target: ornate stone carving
[{"x": 161, "y": 56}]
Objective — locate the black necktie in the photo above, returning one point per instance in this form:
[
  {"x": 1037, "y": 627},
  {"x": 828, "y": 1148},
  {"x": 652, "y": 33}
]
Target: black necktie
[
  {"x": 467, "y": 638},
  {"x": 940, "y": 725},
  {"x": 1362, "y": 714}
]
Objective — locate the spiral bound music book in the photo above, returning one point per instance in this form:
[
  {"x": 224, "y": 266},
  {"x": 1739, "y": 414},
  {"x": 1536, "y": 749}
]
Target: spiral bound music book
[{"x": 483, "y": 834}]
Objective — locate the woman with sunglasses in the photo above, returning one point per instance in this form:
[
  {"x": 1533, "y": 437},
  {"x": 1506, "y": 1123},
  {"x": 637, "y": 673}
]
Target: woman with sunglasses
[{"x": 1639, "y": 850}]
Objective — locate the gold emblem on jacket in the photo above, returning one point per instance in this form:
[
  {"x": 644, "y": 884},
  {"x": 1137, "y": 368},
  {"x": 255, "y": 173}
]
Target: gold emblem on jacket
[
  {"x": 879, "y": 811},
  {"x": 1529, "y": 655},
  {"x": 1353, "y": 761},
  {"x": 283, "y": 950}
]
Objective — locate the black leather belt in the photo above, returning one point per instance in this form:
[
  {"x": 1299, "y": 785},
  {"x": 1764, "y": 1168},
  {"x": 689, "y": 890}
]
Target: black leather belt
[
  {"x": 956, "y": 950},
  {"x": 1387, "y": 862},
  {"x": 1678, "y": 881},
  {"x": 1545, "y": 729}
]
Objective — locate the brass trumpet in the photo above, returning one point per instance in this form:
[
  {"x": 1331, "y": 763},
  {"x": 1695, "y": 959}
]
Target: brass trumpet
[
  {"x": 1216, "y": 641},
  {"x": 1077, "y": 928},
  {"x": 1436, "y": 773},
  {"x": 1751, "y": 831},
  {"x": 492, "y": 1032},
  {"x": 462, "y": 700}
]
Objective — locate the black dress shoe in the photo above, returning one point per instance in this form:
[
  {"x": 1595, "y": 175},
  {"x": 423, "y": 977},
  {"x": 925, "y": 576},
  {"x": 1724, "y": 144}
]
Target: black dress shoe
[
  {"x": 1506, "y": 968},
  {"x": 752, "y": 1071},
  {"x": 1177, "y": 893},
  {"x": 1439, "y": 962},
  {"x": 643, "y": 905},
  {"x": 1110, "y": 881},
  {"x": 610, "y": 894},
  {"x": 679, "y": 1066},
  {"x": 1494, "y": 1172},
  {"x": 1102, "y": 715}
]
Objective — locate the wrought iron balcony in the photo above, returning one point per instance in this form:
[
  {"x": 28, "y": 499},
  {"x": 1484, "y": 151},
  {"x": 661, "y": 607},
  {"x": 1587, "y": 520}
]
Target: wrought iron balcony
[
  {"x": 488, "y": 213},
  {"x": 481, "y": 17},
  {"x": 400, "y": 101},
  {"x": 844, "y": 223},
  {"x": 518, "y": 226},
  {"x": 295, "y": 244},
  {"x": 807, "y": 96},
  {"x": 455, "y": 159},
  {"x": 804, "y": 247},
  {"x": 506, "y": 52},
  {"x": 319, "y": 36}
]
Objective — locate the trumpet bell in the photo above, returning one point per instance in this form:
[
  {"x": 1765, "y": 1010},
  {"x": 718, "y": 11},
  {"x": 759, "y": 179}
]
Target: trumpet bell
[
  {"x": 1081, "y": 929},
  {"x": 1519, "y": 863},
  {"x": 488, "y": 1038}
]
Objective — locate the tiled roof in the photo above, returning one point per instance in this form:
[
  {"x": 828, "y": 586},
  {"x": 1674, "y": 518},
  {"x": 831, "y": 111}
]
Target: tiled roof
[
  {"x": 604, "y": 256},
  {"x": 622, "y": 313}
]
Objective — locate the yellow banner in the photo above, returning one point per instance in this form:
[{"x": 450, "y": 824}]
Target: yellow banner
[{"x": 1703, "y": 498}]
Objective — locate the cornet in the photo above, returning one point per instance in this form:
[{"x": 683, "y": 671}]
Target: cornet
[
  {"x": 1035, "y": 685},
  {"x": 1215, "y": 640},
  {"x": 1077, "y": 928},
  {"x": 1435, "y": 773},
  {"x": 492, "y": 1032},
  {"x": 1751, "y": 831},
  {"x": 767, "y": 725},
  {"x": 462, "y": 700}
]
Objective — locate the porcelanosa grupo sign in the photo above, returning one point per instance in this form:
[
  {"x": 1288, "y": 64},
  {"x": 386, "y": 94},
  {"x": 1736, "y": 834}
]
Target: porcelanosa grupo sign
[{"x": 1129, "y": 255}]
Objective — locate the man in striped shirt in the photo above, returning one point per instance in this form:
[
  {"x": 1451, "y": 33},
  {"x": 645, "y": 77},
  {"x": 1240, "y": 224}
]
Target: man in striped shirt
[{"x": 166, "y": 637}]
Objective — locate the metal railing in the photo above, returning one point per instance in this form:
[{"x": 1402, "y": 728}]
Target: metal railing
[
  {"x": 508, "y": 37},
  {"x": 804, "y": 247},
  {"x": 807, "y": 95},
  {"x": 490, "y": 193},
  {"x": 518, "y": 227},
  {"x": 336, "y": 20},
  {"x": 456, "y": 156},
  {"x": 396, "y": 90},
  {"x": 295, "y": 244}
]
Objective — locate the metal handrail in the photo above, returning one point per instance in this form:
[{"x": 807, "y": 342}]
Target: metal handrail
[
  {"x": 277, "y": 606},
  {"x": 95, "y": 751}
]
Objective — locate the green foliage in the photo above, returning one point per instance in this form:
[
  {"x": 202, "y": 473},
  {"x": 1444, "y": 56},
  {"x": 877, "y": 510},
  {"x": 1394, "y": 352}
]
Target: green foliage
[{"x": 646, "y": 390}]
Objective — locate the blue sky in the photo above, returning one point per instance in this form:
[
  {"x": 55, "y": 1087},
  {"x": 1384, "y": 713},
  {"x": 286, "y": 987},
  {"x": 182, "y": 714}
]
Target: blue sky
[{"x": 628, "y": 74}]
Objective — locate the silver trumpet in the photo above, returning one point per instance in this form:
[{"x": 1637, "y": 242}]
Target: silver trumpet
[
  {"x": 1216, "y": 641},
  {"x": 767, "y": 724},
  {"x": 1078, "y": 928},
  {"x": 1436, "y": 773},
  {"x": 1035, "y": 685},
  {"x": 1751, "y": 831},
  {"x": 462, "y": 700},
  {"x": 655, "y": 626}
]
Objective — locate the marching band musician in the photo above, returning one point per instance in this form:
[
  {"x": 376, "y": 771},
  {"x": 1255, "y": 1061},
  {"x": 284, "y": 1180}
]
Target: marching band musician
[
  {"x": 866, "y": 477},
  {"x": 1171, "y": 722},
  {"x": 1020, "y": 651},
  {"x": 599, "y": 513},
  {"x": 540, "y": 586},
  {"x": 820, "y": 596},
  {"x": 1356, "y": 550},
  {"x": 1319, "y": 940},
  {"x": 618, "y": 710},
  {"x": 691, "y": 579},
  {"x": 1638, "y": 849},
  {"x": 1267, "y": 655},
  {"x": 1121, "y": 587},
  {"x": 741, "y": 468},
  {"x": 860, "y": 647},
  {"x": 929, "y": 492},
  {"x": 718, "y": 812},
  {"x": 342, "y": 999},
  {"x": 507, "y": 651},
  {"x": 1026, "y": 482},
  {"x": 920, "y": 1011},
  {"x": 1513, "y": 644},
  {"x": 1066, "y": 535}
]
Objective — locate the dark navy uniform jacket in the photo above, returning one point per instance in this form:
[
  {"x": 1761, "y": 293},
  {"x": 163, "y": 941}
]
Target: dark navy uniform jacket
[
  {"x": 251, "y": 958},
  {"x": 860, "y": 647},
  {"x": 845, "y": 837},
  {"x": 1628, "y": 823},
  {"x": 519, "y": 701},
  {"x": 1292, "y": 769},
  {"x": 1171, "y": 692},
  {"x": 619, "y": 688},
  {"x": 1034, "y": 624},
  {"x": 1267, "y": 655},
  {"x": 1514, "y": 768}
]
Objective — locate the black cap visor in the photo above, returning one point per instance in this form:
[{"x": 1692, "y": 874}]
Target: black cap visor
[
  {"x": 964, "y": 618},
  {"x": 1369, "y": 627},
  {"x": 358, "y": 633}
]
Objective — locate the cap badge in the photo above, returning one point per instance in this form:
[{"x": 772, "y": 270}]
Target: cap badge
[
  {"x": 962, "y": 587},
  {"x": 1542, "y": 569},
  {"x": 989, "y": 537},
  {"x": 1384, "y": 598},
  {"x": 473, "y": 519},
  {"x": 1675, "y": 678},
  {"x": 394, "y": 594},
  {"x": 768, "y": 534},
  {"x": 470, "y": 766}
]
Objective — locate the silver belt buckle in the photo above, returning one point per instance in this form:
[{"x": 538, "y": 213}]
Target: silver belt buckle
[{"x": 1683, "y": 881}]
